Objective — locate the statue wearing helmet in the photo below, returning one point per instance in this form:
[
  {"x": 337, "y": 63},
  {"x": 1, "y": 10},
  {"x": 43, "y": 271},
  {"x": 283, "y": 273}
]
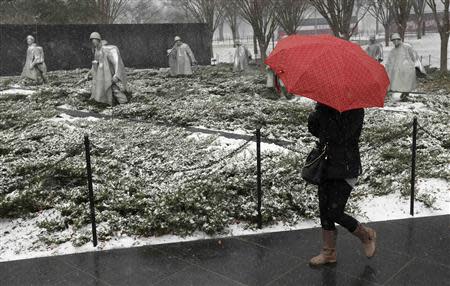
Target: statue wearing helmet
[
  {"x": 375, "y": 50},
  {"x": 400, "y": 67},
  {"x": 35, "y": 68},
  {"x": 95, "y": 35},
  {"x": 181, "y": 58},
  {"x": 109, "y": 81},
  {"x": 241, "y": 57}
]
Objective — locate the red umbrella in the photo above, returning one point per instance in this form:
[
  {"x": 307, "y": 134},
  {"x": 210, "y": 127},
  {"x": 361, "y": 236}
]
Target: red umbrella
[{"x": 329, "y": 70}]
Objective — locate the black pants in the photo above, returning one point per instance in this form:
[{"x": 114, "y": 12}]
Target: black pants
[{"x": 333, "y": 196}]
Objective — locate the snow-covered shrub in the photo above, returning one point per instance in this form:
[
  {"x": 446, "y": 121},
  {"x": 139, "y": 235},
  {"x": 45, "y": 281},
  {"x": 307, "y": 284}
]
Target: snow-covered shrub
[{"x": 139, "y": 185}]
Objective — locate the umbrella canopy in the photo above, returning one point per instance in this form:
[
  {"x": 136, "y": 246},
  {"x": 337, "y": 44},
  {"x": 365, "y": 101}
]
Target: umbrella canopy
[{"x": 329, "y": 70}]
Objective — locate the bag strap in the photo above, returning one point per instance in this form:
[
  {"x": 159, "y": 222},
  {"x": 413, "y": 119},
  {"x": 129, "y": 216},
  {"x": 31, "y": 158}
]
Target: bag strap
[{"x": 322, "y": 154}]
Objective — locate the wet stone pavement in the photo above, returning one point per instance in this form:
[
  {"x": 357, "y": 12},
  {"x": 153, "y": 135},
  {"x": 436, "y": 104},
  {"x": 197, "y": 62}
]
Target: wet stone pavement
[{"x": 412, "y": 251}]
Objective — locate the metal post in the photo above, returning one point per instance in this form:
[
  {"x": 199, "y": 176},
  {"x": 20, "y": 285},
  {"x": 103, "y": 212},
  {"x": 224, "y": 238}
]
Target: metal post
[
  {"x": 429, "y": 60},
  {"x": 258, "y": 175},
  {"x": 413, "y": 164},
  {"x": 90, "y": 188}
]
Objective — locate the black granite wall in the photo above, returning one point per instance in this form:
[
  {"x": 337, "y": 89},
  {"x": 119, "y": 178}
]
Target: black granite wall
[{"x": 67, "y": 47}]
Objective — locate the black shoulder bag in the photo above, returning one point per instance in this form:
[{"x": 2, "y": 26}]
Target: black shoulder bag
[{"x": 314, "y": 168}]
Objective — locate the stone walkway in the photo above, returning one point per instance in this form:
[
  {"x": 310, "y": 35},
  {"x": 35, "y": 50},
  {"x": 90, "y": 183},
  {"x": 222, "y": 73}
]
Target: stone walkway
[{"x": 412, "y": 251}]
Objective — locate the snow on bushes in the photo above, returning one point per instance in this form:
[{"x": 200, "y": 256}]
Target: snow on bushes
[{"x": 138, "y": 192}]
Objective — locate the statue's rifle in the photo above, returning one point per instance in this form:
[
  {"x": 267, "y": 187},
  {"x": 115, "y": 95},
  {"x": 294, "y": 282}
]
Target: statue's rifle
[{"x": 83, "y": 80}]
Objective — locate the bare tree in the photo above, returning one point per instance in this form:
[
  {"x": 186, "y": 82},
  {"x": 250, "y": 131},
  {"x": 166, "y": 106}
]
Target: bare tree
[
  {"x": 82, "y": 11},
  {"x": 339, "y": 14},
  {"x": 204, "y": 11},
  {"x": 401, "y": 10},
  {"x": 143, "y": 11},
  {"x": 260, "y": 14},
  {"x": 171, "y": 12},
  {"x": 419, "y": 11},
  {"x": 62, "y": 11},
  {"x": 9, "y": 12},
  {"x": 111, "y": 10},
  {"x": 221, "y": 28},
  {"x": 443, "y": 25},
  {"x": 381, "y": 10},
  {"x": 290, "y": 14},
  {"x": 33, "y": 11},
  {"x": 231, "y": 16}
]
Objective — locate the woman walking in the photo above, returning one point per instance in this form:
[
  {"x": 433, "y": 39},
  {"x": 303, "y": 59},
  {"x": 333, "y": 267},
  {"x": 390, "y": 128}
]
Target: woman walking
[{"x": 340, "y": 132}]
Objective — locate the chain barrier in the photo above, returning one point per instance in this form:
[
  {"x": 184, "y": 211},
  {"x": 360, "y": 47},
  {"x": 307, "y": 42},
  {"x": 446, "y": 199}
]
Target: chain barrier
[
  {"x": 292, "y": 149},
  {"x": 136, "y": 120},
  {"x": 70, "y": 152},
  {"x": 210, "y": 163},
  {"x": 428, "y": 132},
  {"x": 420, "y": 127},
  {"x": 288, "y": 145},
  {"x": 27, "y": 138},
  {"x": 398, "y": 136},
  {"x": 205, "y": 166}
]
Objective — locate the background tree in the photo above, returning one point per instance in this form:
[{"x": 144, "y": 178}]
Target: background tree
[
  {"x": 443, "y": 25},
  {"x": 290, "y": 14},
  {"x": 111, "y": 10},
  {"x": 143, "y": 11},
  {"x": 61, "y": 11},
  {"x": 381, "y": 10},
  {"x": 9, "y": 12},
  {"x": 204, "y": 11},
  {"x": 339, "y": 15},
  {"x": 260, "y": 14},
  {"x": 401, "y": 10},
  {"x": 231, "y": 16},
  {"x": 419, "y": 11},
  {"x": 82, "y": 11},
  {"x": 33, "y": 11},
  {"x": 221, "y": 28}
]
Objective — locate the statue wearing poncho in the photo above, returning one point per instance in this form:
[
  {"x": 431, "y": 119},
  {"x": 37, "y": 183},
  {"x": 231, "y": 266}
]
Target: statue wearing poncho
[
  {"x": 181, "y": 58},
  {"x": 401, "y": 68},
  {"x": 109, "y": 79},
  {"x": 34, "y": 68},
  {"x": 241, "y": 57}
]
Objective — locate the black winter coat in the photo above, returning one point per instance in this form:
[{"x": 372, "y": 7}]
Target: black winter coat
[{"x": 341, "y": 131}]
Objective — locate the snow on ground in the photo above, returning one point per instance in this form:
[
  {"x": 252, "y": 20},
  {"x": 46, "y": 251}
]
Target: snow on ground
[
  {"x": 265, "y": 147},
  {"x": 19, "y": 238},
  {"x": 17, "y": 91},
  {"x": 67, "y": 118},
  {"x": 395, "y": 104},
  {"x": 394, "y": 206},
  {"x": 223, "y": 52},
  {"x": 237, "y": 131}
]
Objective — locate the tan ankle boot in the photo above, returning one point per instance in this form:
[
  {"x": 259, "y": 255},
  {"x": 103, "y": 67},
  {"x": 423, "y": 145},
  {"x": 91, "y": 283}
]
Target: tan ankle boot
[
  {"x": 328, "y": 252},
  {"x": 368, "y": 237}
]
